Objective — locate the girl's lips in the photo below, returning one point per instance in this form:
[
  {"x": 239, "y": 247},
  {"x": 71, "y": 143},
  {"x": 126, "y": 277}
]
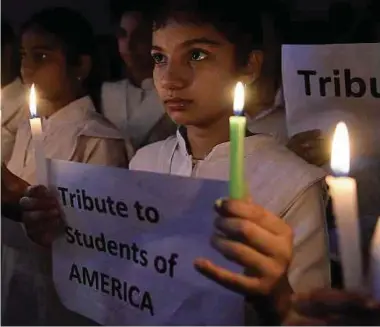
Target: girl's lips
[{"x": 177, "y": 103}]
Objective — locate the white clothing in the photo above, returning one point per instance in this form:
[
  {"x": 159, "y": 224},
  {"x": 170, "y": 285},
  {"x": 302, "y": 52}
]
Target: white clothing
[
  {"x": 74, "y": 133},
  {"x": 271, "y": 121},
  {"x": 278, "y": 180},
  {"x": 13, "y": 111},
  {"x": 133, "y": 110}
]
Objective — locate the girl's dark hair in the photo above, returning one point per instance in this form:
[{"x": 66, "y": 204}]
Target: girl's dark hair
[
  {"x": 76, "y": 37},
  {"x": 234, "y": 19},
  {"x": 118, "y": 8}
]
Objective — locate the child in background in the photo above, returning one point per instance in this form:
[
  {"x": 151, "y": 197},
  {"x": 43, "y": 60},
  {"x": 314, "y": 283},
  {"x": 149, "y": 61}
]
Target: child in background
[
  {"x": 200, "y": 53},
  {"x": 132, "y": 104},
  {"x": 57, "y": 52},
  {"x": 58, "y": 59}
]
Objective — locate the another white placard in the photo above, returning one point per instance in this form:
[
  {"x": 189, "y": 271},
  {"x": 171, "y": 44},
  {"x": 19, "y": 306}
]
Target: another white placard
[
  {"x": 131, "y": 239},
  {"x": 325, "y": 84}
]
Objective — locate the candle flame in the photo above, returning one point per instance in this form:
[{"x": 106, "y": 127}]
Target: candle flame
[
  {"x": 33, "y": 102},
  {"x": 340, "y": 154},
  {"x": 239, "y": 98}
]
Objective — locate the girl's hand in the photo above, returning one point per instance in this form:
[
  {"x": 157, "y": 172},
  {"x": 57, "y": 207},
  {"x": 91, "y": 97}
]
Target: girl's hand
[
  {"x": 256, "y": 239},
  {"x": 12, "y": 186},
  {"x": 310, "y": 146},
  {"x": 41, "y": 215}
]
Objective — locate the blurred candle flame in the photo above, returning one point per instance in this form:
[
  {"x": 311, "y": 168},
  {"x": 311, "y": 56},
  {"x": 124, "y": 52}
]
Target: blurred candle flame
[
  {"x": 33, "y": 102},
  {"x": 340, "y": 154},
  {"x": 239, "y": 98}
]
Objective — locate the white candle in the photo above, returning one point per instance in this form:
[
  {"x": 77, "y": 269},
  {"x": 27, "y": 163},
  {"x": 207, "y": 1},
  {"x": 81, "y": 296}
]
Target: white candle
[
  {"x": 344, "y": 199},
  {"x": 37, "y": 136},
  {"x": 375, "y": 262}
]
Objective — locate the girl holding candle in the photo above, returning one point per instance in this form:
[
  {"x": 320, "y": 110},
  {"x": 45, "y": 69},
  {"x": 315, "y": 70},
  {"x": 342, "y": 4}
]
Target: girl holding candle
[
  {"x": 59, "y": 61},
  {"x": 200, "y": 53},
  {"x": 57, "y": 56}
]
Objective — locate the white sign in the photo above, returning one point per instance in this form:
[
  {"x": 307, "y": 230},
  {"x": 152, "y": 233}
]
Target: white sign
[
  {"x": 131, "y": 238},
  {"x": 324, "y": 84}
]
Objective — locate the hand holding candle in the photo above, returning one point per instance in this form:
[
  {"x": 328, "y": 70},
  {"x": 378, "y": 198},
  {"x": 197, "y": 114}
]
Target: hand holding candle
[
  {"x": 37, "y": 136},
  {"x": 344, "y": 199},
  {"x": 237, "y": 136}
]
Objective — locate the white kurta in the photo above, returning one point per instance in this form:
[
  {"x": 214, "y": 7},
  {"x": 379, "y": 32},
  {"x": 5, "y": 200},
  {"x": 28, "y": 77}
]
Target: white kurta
[
  {"x": 135, "y": 111},
  {"x": 13, "y": 111},
  {"x": 74, "y": 133},
  {"x": 279, "y": 181}
]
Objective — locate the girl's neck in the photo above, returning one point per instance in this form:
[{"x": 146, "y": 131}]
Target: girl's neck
[
  {"x": 202, "y": 140},
  {"x": 137, "y": 76},
  {"x": 48, "y": 108}
]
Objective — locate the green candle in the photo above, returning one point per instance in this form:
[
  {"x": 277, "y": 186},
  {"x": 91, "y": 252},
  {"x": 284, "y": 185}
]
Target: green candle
[{"x": 237, "y": 135}]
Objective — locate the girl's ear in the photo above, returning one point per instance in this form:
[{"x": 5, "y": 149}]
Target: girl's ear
[
  {"x": 252, "y": 70},
  {"x": 84, "y": 67}
]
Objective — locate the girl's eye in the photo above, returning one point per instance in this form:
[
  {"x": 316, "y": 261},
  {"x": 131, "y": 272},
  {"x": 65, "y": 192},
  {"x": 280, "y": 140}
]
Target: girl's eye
[
  {"x": 198, "y": 55},
  {"x": 158, "y": 58}
]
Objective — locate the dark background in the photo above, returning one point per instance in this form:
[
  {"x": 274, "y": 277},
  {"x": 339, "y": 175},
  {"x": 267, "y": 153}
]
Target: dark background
[{"x": 17, "y": 11}]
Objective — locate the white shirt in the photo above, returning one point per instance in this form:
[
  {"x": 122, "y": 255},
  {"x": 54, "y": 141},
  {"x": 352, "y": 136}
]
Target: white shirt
[
  {"x": 135, "y": 111},
  {"x": 13, "y": 111},
  {"x": 74, "y": 133},
  {"x": 278, "y": 180}
]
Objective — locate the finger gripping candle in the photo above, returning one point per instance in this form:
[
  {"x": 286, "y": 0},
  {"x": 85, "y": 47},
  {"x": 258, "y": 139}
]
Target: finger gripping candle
[{"x": 237, "y": 134}]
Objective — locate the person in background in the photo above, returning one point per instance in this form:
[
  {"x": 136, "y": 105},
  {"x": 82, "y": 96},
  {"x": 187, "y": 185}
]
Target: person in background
[
  {"x": 57, "y": 57},
  {"x": 13, "y": 95},
  {"x": 265, "y": 106},
  {"x": 132, "y": 104}
]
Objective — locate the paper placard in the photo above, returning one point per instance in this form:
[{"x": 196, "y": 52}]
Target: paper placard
[
  {"x": 127, "y": 255},
  {"x": 325, "y": 84}
]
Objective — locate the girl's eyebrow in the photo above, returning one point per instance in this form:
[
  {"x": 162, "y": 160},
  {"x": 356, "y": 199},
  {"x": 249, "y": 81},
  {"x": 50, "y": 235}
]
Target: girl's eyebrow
[
  {"x": 201, "y": 40},
  {"x": 192, "y": 42}
]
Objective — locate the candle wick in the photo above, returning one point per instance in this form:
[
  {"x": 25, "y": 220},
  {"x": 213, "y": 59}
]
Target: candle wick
[{"x": 339, "y": 174}]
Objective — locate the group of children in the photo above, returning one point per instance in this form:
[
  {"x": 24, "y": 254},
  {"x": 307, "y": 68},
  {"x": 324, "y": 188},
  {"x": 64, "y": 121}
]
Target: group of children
[{"x": 170, "y": 116}]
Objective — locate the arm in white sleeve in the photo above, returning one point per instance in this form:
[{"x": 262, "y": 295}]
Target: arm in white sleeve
[
  {"x": 101, "y": 151},
  {"x": 310, "y": 266}
]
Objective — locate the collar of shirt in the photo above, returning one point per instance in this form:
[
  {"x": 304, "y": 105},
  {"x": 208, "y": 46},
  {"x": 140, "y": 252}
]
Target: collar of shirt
[
  {"x": 13, "y": 99},
  {"x": 147, "y": 84},
  {"x": 278, "y": 104},
  {"x": 72, "y": 113},
  {"x": 222, "y": 150}
]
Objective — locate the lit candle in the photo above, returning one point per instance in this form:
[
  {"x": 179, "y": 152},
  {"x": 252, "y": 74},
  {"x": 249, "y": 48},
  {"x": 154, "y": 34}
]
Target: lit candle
[
  {"x": 237, "y": 135},
  {"x": 375, "y": 262},
  {"x": 344, "y": 199},
  {"x": 37, "y": 136}
]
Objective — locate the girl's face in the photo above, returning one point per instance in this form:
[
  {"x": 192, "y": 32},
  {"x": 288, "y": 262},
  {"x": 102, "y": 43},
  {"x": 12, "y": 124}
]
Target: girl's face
[
  {"x": 43, "y": 63},
  {"x": 195, "y": 72},
  {"x": 134, "y": 41}
]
